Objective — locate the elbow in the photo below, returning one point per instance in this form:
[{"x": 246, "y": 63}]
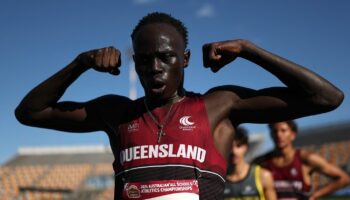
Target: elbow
[
  {"x": 329, "y": 102},
  {"x": 345, "y": 180},
  {"x": 22, "y": 116},
  {"x": 337, "y": 99}
]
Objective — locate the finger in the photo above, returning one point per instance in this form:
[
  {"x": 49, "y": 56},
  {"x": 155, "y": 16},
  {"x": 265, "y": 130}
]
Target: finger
[
  {"x": 106, "y": 56},
  {"x": 113, "y": 58},
  {"x": 221, "y": 63},
  {"x": 214, "y": 54},
  {"x": 98, "y": 57},
  {"x": 115, "y": 61}
]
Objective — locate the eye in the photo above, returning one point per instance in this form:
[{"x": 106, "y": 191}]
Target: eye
[{"x": 166, "y": 57}]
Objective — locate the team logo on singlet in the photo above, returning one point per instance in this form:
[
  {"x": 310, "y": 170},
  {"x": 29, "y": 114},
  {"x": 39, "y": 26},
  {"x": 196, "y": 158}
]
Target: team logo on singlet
[
  {"x": 132, "y": 191},
  {"x": 186, "y": 124},
  {"x": 133, "y": 126},
  {"x": 248, "y": 189},
  {"x": 293, "y": 172}
]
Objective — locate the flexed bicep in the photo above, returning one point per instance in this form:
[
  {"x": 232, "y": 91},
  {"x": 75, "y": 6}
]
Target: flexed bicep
[
  {"x": 263, "y": 106},
  {"x": 78, "y": 116},
  {"x": 272, "y": 105}
]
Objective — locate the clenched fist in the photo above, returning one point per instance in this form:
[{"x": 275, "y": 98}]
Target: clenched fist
[
  {"x": 218, "y": 54},
  {"x": 102, "y": 60}
]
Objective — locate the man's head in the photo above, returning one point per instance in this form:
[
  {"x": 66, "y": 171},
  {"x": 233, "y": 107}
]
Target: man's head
[
  {"x": 156, "y": 18},
  {"x": 160, "y": 54},
  {"x": 283, "y": 133},
  {"x": 239, "y": 145}
]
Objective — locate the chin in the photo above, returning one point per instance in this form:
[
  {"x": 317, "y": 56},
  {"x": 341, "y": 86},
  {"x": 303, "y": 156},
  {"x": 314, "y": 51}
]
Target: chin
[
  {"x": 236, "y": 161},
  {"x": 281, "y": 146}
]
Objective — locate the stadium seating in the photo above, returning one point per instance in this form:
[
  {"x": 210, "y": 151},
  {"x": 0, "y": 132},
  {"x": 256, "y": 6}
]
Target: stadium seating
[
  {"x": 336, "y": 153},
  {"x": 64, "y": 176},
  {"x": 56, "y": 182}
]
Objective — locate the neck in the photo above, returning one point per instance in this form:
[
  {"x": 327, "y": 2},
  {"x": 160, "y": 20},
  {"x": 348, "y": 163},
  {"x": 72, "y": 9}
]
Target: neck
[
  {"x": 285, "y": 151},
  {"x": 240, "y": 169},
  {"x": 159, "y": 102}
]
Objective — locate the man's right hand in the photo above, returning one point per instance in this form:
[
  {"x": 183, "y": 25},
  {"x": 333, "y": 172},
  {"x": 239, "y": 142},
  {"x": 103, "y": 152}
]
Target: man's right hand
[{"x": 102, "y": 60}]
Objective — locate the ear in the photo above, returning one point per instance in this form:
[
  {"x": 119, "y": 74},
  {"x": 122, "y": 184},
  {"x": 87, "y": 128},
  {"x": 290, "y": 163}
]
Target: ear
[
  {"x": 187, "y": 55},
  {"x": 294, "y": 135}
]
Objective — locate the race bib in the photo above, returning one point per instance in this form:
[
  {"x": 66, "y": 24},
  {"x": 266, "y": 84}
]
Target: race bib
[{"x": 162, "y": 190}]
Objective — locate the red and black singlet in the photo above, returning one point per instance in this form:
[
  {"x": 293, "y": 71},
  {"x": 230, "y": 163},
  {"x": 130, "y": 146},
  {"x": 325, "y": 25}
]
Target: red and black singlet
[
  {"x": 289, "y": 180},
  {"x": 183, "y": 165}
]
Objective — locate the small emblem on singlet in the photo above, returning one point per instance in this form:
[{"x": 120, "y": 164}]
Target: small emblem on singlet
[
  {"x": 227, "y": 191},
  {"x": 186, "y": 124},
  {"x": 133, "y": 126},
  {"x": 133, "y": 191},
  {"x": 248, "y": 188},
  {"x": 293, "y": 172}
]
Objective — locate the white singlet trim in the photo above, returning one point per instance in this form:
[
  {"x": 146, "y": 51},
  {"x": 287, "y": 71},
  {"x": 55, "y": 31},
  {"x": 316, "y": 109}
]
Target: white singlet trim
[{"x": 153, "y": 166}]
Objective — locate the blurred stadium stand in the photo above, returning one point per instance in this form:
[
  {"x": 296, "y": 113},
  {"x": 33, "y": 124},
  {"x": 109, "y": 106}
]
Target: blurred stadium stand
[
  {"x": 58, "y": 173},
  {"x": 331, "y": 142},
  {"x": 85, "y": 172},
  {"x": 256, "y": 143}
]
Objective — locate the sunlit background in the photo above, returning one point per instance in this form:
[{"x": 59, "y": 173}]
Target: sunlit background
[{"x": 38, "y": 38}]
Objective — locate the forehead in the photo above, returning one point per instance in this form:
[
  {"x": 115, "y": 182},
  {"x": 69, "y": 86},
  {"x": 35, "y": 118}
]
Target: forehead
[
  {"x": 280, "y": 125},
  {"x": 239, "y": 143},
  {"x": 157, "y": 37}
]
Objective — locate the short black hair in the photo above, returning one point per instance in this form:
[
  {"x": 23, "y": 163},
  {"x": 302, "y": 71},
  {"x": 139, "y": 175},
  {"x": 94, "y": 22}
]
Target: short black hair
[
  {"x": 158, "y": 17},
  {"x": 241, "y": 136},
  {"x": 291, "y": 124}
]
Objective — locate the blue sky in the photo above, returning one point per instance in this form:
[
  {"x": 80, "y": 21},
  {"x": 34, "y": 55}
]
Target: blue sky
[{"x": 38, "y": 38}]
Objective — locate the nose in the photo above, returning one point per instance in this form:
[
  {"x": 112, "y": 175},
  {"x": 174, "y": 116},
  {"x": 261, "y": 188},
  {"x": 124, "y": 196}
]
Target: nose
[{"x": 156, "y": 65}]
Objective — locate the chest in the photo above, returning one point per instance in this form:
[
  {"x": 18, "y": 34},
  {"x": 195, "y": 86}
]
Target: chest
[{"x": 184, "y": 124}]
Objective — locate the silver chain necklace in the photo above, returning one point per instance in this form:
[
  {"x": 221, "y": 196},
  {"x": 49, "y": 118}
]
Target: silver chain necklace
[{"x": 160, "y": 126}]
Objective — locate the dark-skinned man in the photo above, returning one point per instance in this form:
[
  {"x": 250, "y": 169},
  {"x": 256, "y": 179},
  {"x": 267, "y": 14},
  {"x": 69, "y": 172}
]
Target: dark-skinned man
[{"x": 164, "y": 143}]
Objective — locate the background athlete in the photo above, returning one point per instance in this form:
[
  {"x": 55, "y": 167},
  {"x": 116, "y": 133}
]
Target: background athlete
[
  {"x": 151, "y": 123},
  {"x": 246, "y": 181},
  {"x": 292, "y": 168}
]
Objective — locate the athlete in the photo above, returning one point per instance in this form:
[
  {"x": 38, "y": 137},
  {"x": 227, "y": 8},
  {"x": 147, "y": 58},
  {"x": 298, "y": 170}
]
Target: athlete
[
  {"x": 164, "y": 143},
  {"x": 247, "y": 181},
  {"x": 292, "y": 168}
]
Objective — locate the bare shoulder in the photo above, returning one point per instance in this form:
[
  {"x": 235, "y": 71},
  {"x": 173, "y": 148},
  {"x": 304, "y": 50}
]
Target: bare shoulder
[
  {"x": 222, "y": 101},
  {"x": 266, "y": 178},
  {"x": 112, "y": 100},
  {"x": 108, "y": 102},
  {"x": 307, "y": 156},
  {"x": 110, "y": 107},
  {"x": 313, "y": 160},
  {"x": 265, "y": 174}
]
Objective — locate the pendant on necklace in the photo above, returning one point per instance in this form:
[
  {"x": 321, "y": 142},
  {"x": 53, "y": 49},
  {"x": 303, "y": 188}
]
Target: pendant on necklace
[{"x": 160, "y": 133}]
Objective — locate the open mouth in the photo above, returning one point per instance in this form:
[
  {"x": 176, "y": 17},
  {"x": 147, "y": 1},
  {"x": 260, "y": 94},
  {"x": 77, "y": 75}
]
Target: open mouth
[{"x": 158, "y": 87}]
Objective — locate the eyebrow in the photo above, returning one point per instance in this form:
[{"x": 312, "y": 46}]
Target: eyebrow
[{"x": 157, "y": 52}]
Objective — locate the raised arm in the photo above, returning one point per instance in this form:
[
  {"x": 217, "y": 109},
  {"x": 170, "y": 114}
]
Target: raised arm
[
  {"x": 318, "y": 164},
  {"x": 306, "y": 93},
  {"x": 40, "y": 107}
]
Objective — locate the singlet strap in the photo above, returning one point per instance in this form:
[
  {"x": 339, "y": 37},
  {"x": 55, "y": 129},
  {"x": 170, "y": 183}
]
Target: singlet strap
[{"x": 258, "y": 182}]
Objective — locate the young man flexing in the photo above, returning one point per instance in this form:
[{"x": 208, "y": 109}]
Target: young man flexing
[
  {"x": 164, "y": 143},
  {"x": 292, "y": 168}
]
